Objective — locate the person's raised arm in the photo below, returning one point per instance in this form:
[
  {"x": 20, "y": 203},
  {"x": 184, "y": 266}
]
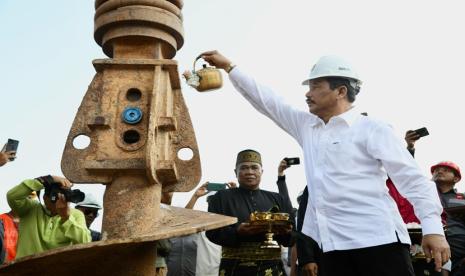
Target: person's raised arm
[
  {"x": 6, "y": 156},
  {"x": 281, "y": 182},
  {"x": 410, "y": 138},
  {"x": 201, "y": 191},
  {"x": 17, "y": 196}
]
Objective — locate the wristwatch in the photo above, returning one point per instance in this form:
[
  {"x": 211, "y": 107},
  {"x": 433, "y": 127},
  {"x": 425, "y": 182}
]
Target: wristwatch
[{"x": 230, "y": 67}]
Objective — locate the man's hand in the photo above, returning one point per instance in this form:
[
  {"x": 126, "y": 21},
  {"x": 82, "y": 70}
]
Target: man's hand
[
  {"x": 247, "y": 229},
  {"x": 282, "y": 167},
  {"x": 64, "y": 183},
  {"x": 6, "y": 156},
  {"x": 231, "y": 185},
  {"x": 214, "y": 58},
  {"x": 411, "y": 137},
  {"x": 435, "y": 246},
  {"x": 62, "y": 207},
  {"x": 310, "y": 269},
  {"x": 202, "y": 190}
]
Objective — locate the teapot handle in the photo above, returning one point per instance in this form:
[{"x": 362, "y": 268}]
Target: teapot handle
[{"x": 195, "y": 61}]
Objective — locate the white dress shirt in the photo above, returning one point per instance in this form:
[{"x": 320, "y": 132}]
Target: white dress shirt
[{"x": 346, "y": 161}]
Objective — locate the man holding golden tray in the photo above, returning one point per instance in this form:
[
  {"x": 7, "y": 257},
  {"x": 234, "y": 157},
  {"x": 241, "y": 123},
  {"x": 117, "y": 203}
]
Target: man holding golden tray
[{"x": 252, "y": 245}]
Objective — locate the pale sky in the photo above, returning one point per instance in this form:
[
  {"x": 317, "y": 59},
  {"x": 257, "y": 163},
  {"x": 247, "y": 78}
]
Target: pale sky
[{"x": 409, "y": 55}]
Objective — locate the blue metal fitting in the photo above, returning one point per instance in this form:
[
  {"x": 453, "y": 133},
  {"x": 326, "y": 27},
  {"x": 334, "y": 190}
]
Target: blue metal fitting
[{"x": 132, "y": 115}]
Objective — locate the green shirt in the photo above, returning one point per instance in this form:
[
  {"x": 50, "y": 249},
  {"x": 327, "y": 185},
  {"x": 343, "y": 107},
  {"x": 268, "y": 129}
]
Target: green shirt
[{"x": 38, "y": 231}]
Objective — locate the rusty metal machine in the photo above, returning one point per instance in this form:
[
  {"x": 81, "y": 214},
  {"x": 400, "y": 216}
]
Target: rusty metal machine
[{"x": 135, "y": 117}]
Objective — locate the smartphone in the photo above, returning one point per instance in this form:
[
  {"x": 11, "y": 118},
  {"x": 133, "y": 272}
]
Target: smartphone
[
  {"x": 216, "y": 186},
  {"x": 292, "y": 161},
  {"x": 422, "y": 132},
  {"x": 11, "y": 145}
]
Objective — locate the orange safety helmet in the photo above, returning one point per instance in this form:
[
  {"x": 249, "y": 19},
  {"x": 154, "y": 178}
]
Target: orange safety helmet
[{"x": 450, "y": 165}]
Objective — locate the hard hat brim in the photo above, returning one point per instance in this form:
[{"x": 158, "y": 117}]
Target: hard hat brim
[{"x": 89, "y": 206}]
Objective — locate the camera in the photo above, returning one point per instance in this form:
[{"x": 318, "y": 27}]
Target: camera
[
  {"x": 73, "y": 196},
  {"x": 292, "y": 161}
]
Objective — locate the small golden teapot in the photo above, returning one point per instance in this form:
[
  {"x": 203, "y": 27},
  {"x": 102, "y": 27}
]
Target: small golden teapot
[{"x": 208, "y": 78}]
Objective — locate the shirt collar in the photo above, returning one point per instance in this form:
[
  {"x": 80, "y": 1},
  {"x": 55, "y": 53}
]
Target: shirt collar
[
  {"x": 349, "y": 117},
  {"x": 247, "y": 191}
]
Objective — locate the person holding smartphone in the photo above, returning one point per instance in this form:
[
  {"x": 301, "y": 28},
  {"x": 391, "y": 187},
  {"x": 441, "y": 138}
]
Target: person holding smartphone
[
  {"x": 305, "y": 254},
  {"x": 8, "y": 152},
  {"x": 347, "y": 155},
  {"x": 242, "y": 253},
  {"x": 6, "y": 156}
]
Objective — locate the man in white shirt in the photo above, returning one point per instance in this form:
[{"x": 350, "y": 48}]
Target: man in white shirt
[{"x": 349, "y": 212}]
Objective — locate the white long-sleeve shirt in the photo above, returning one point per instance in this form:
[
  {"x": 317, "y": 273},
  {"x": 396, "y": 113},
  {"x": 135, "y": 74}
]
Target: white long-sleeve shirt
[{"x": 346, "y": 161}]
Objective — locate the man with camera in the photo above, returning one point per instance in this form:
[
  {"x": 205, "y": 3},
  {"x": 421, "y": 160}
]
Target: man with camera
[
  {"x": 46, "y": 227},
  {"x": 242, "y": 251},
  {"x": 347, "y": 155}
]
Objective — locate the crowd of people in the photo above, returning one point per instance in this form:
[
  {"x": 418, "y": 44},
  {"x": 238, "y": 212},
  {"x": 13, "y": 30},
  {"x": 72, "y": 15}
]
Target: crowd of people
[{"x": 364, "y": 198}]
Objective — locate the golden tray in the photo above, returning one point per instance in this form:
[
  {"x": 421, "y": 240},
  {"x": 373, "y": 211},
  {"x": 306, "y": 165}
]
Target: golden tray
[
  {"x": 268, "y": 217},
  {"x": 271, "y": 221}
]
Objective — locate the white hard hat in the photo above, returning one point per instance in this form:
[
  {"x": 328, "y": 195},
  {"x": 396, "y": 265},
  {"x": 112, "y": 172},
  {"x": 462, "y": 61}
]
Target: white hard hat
[
  {"x": 89, "y": 201},
  {"x": 333, "y": 66}
]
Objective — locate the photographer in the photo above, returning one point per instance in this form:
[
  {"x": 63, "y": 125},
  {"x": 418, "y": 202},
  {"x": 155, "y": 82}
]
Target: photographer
[{"x": 46, "y": 227}]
